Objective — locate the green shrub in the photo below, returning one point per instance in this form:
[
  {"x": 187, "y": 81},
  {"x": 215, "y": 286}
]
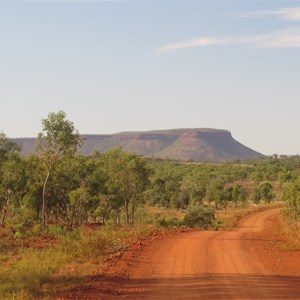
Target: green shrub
[
  {"x": 20, "y": 231},
  {"x": 200, "y": 217},
  {"x": 57, "y": 230},
  {"x": 169, "y": 223},
  {"x": 37, "y": 229},
  {"x": 85, "y": 244},
  {"x": 35, "y": 266}
]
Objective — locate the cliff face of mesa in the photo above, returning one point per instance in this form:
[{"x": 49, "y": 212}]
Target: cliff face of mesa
[{"x": 212, "y": 145}]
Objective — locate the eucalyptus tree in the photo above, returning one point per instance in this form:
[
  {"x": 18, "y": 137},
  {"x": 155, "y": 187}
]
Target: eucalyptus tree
[
  {"x": 266, "y": 191},
  {"x": 139, "y": 179},
  {"x": 217, "y": 194},
  {"x": 31, "y": 203},
  {"x": 237, "y": 194},
  {"x": 127, "y": 180},
  {"x": 11, "y": 174},
  {"x": 194, "y": 184},
  {"x": 12, "y": 183},
  {"x": 7, "y": 147},
  {"x": 58, "y": 139},
  {"x": 157, "y": 192}
]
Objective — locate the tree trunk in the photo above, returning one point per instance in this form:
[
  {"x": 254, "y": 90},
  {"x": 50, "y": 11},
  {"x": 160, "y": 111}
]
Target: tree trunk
[
  {"x": 72, "y": 216},
  {"x": 132, "y": 212},
  {"x": 118, "y": 218},
  {"x": 80, "y": 212},
  {"x": 5, "y": 208},
  {"x": 127, "y": 212},
  {"x": 44, "y": 199}
]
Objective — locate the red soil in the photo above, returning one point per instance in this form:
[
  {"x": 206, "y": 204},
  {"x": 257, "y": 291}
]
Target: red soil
[{"x": 247, "y": 263}]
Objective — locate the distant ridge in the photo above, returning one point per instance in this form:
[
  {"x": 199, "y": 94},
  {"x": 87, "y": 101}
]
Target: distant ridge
[{"x": 196, "y": 144}]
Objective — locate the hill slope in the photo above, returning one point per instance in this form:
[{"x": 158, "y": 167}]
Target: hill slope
[{"x": 211, "y": 145}]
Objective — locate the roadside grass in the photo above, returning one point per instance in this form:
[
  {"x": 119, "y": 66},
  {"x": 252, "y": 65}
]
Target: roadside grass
[
  {"x": 290, "y": 229},
  {"x": 155, "y": 213},
  {"x": 29, "y": 269}
]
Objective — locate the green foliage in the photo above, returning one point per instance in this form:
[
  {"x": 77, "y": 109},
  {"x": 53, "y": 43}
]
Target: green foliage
[
  {"x": 237, "y": 194},
  {"x": 128, "y": 178},
  {"x": 12, "y": 183},
  {"x": 264, "y": 192},
  {"x": 30, "y": 272},
  {"x": 173, "y": 222},
  {"x": 60, "y": 231},
  {"x": 200, "y": 217},
  {"x": 7, "y": 147},
  {"x": 291, "y": 194},
  {"x": 20, "y": 231},
  {"x": 86, "y": 244},
  {"x": 25, "y": 276},
  {"x": 182, "y": 200},
  {"x": 217, "y": 194},
  {"x": 58, "y": 139},
  {"x": 37, "y": 229}
]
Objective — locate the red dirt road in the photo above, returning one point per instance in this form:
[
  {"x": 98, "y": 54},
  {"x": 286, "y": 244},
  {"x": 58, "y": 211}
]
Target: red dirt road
[{"x": 242, "y": 264}]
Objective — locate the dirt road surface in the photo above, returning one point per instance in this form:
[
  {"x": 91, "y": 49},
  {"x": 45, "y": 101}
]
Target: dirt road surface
[{"x": 245, "y": 263}]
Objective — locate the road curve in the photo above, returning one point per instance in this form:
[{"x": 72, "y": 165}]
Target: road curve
[
  {"x": 199, "y": 265},
  {"x": 212, "y": 265}
]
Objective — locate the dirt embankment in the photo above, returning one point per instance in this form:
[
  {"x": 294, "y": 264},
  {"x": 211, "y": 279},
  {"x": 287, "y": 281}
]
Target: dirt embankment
[{"x": 246, "y": 263}]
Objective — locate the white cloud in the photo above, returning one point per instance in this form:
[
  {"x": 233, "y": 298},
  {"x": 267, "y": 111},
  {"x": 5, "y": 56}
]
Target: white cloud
[
  {"x": 292, "y": 14},
  {"x": 193, "y": 43},
  {"x": 287, "y": 38}
]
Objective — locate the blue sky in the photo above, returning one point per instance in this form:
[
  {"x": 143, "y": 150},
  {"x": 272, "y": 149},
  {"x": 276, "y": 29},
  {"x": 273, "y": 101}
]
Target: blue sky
[{"x": 144, "y": 65}]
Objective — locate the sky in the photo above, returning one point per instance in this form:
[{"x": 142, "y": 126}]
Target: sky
[{"x": 115, "y": 66}]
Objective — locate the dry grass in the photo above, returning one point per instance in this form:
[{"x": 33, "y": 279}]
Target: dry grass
[
  {"x": 157, "y": 212},
  {"x": 291, "y": 231},
  {"x": 31, "y": 272}
]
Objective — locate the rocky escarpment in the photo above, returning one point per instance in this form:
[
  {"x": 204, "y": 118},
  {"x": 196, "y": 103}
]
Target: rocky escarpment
[{"x": 198, "y": 144}]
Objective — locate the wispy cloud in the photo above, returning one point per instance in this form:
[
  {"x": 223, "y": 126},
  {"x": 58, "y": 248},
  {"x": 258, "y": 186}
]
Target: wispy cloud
[
  {"x": 292, "y": 14},
  {"x": 288, "y": 38},
  {"x": 193, "y": 43}
]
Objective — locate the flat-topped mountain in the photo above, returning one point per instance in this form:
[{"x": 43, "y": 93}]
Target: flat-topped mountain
[{"x": 198, "y": 144}]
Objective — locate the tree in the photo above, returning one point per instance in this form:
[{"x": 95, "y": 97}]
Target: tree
[
  {"x": 127, "y": 179},
  {"x": 158, "y": 191},
  {"x": 266, "y": 191},
  {"x": 256, "y": 195},
  {"x": 237, "y": 194},
  {"x": 194, "y": 184},
  {"x": 217, "y": 194},
  {"x": 10, "y": 173},
  {"x": 65, "y": 178},
  {"x": 12, "y": 183},
  {"x": 31, "y": 203},
  {"x": 58, "y": 139},
  {"x": 7, "y": 147}
]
